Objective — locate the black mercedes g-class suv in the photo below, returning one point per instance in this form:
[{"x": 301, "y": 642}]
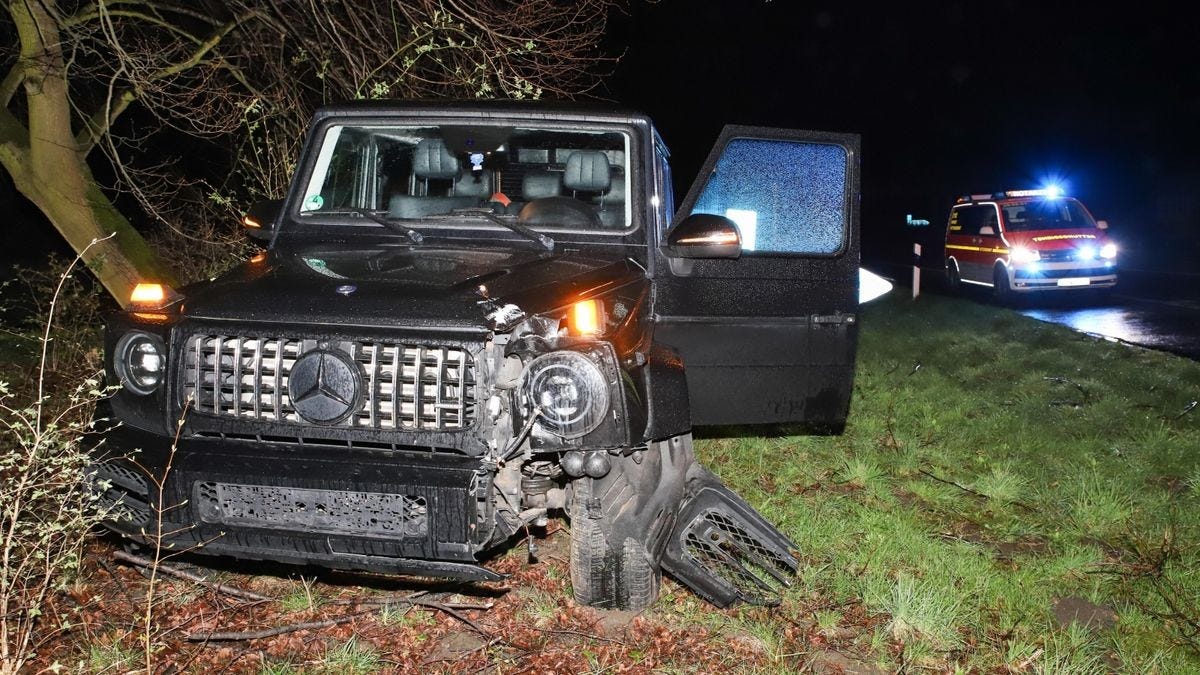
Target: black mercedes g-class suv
[{"x": 470, "y": 317}]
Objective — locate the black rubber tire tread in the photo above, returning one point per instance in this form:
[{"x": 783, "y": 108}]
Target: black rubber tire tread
[
  {"x": 617, "y": 544},
  {"x": 640, "y": 580},
  {"x": 590, "y": 579}
]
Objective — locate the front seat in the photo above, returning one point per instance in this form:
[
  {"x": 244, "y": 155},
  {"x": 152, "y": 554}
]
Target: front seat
[{"x": 587, "y": 171}]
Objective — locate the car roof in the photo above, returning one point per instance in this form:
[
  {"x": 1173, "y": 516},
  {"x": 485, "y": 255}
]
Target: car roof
[{"x": 566, "y": 110}]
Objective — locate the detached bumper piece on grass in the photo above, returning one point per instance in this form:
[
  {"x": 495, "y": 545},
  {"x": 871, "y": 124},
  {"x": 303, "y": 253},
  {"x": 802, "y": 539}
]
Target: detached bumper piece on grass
[{"x": 724, "y": 550}]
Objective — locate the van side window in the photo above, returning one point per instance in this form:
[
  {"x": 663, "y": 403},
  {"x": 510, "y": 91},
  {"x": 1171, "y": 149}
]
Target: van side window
[
  {"x": 966, "y": 220},
  {"x": 988, "y": 218}
]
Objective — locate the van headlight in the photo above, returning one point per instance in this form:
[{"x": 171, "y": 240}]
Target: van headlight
[
  {"x": 1108, "y": 251},
  {"x": 1021, "y": 254},
  {"x": 139, "y": 361},
  {"x": 570, "y": 391}
]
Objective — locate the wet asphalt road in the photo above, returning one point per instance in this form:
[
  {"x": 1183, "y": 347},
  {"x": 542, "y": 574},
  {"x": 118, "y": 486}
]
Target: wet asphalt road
[
  {"x": 1150, "y": 309},
  {"x": 1167, "y": 324}
]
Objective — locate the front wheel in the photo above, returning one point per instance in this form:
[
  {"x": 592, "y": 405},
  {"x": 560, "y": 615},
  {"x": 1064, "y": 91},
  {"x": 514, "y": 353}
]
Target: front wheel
[
  {"x": 608, "y": 572},
  {"x": 620, "y": 524},
  {"x": 1000, "y": 286}
]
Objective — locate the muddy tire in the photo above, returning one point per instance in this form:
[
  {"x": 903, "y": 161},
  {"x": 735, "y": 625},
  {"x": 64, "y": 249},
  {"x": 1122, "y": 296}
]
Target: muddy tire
[
  {"x": 620, "y": 524},
  {"x": 605, "y": 573}
]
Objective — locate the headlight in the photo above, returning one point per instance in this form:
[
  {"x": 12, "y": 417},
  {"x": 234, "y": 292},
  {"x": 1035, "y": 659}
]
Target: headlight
[
  {"x": 1020, "y": 254},
  {"x": 1108, "y": 251},
  {"x": 1086, "y": 253},
  {"x": 570, "y": 390},
  {"x": 140, "y": 360}
]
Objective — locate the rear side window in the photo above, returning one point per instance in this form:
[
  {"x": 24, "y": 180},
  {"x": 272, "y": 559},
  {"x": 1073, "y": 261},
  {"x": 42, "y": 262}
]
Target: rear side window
[
  {"x": 785, "y": 196},
  {"x": 969, "y": 220}
]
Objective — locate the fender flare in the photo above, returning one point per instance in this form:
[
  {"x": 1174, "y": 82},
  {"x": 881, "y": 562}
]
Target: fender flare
[{"x": 664, "y": 384}]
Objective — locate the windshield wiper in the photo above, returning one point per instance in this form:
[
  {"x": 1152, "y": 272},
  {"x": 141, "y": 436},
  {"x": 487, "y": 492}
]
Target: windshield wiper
[
  {"x": 394, "y": 224},
  {"x": 537, "y": 237}
]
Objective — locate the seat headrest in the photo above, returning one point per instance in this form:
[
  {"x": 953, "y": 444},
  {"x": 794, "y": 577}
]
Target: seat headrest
[
  {"x": 539, "y": 184},
  {"x": 465, "y": 185},
  {"x": 431, "y": 159},
  {"x": 587, "y": 171}
]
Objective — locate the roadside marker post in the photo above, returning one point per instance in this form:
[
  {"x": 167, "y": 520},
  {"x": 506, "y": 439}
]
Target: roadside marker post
[{"x": 916, "y": 270}]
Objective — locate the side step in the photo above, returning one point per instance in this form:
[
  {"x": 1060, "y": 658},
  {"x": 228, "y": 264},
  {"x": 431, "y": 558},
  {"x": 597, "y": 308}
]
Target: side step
[{"x": 724, "y": 550}]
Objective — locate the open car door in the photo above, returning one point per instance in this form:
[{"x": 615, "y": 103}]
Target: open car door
[{"x": 768, "y": 336}]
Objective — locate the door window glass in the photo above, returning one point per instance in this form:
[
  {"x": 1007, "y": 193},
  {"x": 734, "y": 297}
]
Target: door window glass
[
  {"x": 968, "y": 219},
  {"x": 785, "y": 196},
  {"x": 988, "y": 218}
]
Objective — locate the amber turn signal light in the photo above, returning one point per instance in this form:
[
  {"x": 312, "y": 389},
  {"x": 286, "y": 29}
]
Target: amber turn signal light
[
  {"x": 584, "y": 318},
  {"x": 251, "y": 223},
  {"x": 151, "y": 296}
]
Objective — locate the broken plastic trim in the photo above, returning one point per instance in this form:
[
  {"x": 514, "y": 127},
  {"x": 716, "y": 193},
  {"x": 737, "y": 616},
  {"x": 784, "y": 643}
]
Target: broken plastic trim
[{"x": 724, "y": 550}]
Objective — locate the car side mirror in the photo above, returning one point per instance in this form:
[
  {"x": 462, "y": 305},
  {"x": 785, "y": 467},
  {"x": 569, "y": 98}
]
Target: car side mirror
[
  {"x": 1101, "y": 224},
  {"x": 260, "y": 220},
  {"x": 704, "y": 235},
  {"x": 988, "y": 230}
]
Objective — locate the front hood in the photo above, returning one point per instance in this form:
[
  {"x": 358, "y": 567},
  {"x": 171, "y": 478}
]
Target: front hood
[
  {"x": 1050, "y": 240},
  {"x": 403, "y": 286}
]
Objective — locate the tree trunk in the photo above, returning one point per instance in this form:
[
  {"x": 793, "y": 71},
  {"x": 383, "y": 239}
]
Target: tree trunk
[{"x": 51, "y": 171}]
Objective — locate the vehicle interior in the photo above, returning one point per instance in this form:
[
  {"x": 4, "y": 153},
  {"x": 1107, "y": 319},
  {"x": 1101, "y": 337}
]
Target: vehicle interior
[{"x": 574, "y": 178}]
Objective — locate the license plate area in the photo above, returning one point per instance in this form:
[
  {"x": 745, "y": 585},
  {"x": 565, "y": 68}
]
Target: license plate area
[
  {"x": 308, "y": 510},
  {"x": 1074, "y": 281}
]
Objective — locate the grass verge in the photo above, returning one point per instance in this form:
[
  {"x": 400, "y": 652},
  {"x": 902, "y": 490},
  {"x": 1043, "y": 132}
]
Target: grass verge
[{"x": 1008, "y": 495}]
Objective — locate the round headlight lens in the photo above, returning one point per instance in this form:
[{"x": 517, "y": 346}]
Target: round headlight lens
[
  {"x": 1108, "y": 251},
  {"x": 570, "y": 390},
  {"x": 140, "y": 361}
]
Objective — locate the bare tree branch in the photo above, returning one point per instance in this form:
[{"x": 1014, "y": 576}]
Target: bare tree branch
[{"x": 12, "y": 81}]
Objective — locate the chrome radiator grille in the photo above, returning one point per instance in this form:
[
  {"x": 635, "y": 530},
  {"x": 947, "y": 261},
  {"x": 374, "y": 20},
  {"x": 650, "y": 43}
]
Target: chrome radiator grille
[{"x": 405, "y": 387}]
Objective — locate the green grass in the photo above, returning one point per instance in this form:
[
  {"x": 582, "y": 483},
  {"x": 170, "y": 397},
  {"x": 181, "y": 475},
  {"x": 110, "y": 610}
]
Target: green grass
[
  {"x": 1020, "y": 464},
  {"x": 303, "y": 596},
  {"x": 351, "y": 658},
  {"x": 112, "y": 657}
]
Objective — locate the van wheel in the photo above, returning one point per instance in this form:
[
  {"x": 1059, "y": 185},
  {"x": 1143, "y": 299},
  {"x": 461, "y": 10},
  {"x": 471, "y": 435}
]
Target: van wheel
[
  {"x": 953, "y": 280},
  {"x": 1000, "y": 288}
]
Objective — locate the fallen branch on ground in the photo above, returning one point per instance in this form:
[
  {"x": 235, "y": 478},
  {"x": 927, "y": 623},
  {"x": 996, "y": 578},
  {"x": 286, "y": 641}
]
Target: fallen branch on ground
[
  {"x": 188, "y": 576},
  {"x": 316, "y": 625}
]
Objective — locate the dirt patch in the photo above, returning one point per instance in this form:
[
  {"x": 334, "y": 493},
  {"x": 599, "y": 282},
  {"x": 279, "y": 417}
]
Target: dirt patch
[
  {"x": 454, "y": 646},
  {"x": 836, "y": 663},
  {"x": 1174, "y": 485},
  {"x": 1088, "y": 614},
  {"x": 1028, "y": 545}
]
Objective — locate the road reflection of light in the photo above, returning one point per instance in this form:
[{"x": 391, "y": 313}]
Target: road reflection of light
[{"x": 1115, "y": 322}]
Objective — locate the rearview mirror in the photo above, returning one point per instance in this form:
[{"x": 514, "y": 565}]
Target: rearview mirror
[
  {"x": 259, "y": 221},
  {"x": 1101, "y": 224},
  {"x": 704, "y": 235}
]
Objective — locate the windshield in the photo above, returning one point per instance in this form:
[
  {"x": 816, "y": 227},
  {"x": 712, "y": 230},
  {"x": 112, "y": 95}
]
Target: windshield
[
  {"x": 423, "y": 174},
  {"x": 1047, "y": 214}
]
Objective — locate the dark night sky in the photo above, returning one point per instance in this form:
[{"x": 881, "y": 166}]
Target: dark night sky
[{"x": 949, "y": 97}]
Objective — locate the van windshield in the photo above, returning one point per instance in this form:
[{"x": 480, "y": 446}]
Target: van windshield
[{"x": 1047, "y": 214}]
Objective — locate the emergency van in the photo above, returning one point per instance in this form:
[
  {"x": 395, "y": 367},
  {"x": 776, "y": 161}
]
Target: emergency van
[{"x": 1024, "y": 241}]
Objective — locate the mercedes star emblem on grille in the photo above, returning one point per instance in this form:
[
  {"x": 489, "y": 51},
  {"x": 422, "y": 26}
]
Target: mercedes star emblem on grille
[{"x": 325, "y": 387}]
